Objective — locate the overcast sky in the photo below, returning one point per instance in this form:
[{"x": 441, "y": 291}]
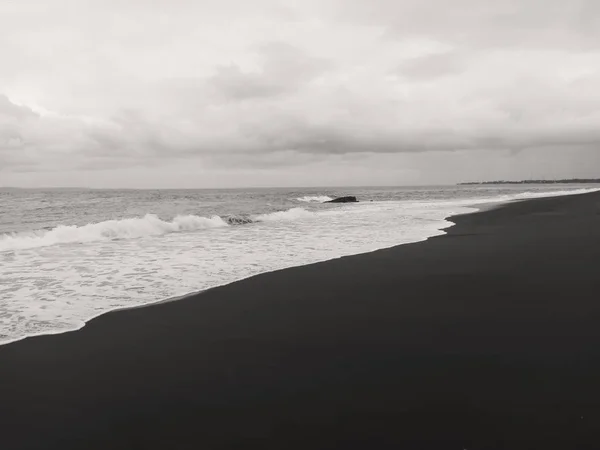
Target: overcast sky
[{"x": 218, "y": 93}]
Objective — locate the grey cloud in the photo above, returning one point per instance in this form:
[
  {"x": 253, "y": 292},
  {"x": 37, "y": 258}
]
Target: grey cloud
[
  {"x": 237, "y": 85},
  {"x": 264, "y": 160},
  {"x": 284, "y": 61},
  {"x": 339, "y": 140},
  {"x": 432, "y": 66},
  {"x": 265, "y": 86},
  {"x": 13, "y": 151},
  {"x": 269, "y": 135},
  {"x": 11, "y": 111},
  {"x": 30, "y": 141},
  {"x": 284, "y": 68},
  {"x": 476, "y": 23}
]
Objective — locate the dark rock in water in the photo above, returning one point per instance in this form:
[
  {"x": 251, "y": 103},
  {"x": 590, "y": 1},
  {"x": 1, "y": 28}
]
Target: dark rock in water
[
  {"x": 238, "y": 220},
  {"x": 348, "y": 199}
]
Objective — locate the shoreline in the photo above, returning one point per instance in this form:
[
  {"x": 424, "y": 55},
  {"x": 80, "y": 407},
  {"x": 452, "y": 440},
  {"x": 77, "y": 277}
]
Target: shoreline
[
  {"x": 479, "y": 207},
  {"x": 442, "y": 229},
  {"x": 485, "y": 336},
  {"x": 475, "y": 207}
]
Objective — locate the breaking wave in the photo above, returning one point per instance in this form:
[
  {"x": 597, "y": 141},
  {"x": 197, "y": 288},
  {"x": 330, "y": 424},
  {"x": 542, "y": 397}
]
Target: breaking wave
[
  {"x": 314, "y": 199},
  {"x": 152, "y": 225},
  {"x": 149, "y": 225}
]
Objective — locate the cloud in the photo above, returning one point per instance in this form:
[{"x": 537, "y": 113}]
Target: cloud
[
  {"x": 430, "y": 67},
  {"x": 283, "y": 69},
  {"x": 537, "y": 24},
  {"x": 281, "y": 86}
]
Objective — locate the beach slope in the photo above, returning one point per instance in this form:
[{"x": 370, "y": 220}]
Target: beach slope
[{"x": 485, "y": 338}]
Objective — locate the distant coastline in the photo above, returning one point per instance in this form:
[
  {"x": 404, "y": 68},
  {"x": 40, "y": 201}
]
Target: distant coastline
[{"x": 567, "y": 181}]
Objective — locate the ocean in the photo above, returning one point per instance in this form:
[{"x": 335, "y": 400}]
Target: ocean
[{"x": 68, "y": 255}]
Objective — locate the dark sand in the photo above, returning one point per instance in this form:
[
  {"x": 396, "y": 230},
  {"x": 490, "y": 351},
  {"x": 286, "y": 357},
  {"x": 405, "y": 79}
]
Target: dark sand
[{"x": 487, "y": 338}]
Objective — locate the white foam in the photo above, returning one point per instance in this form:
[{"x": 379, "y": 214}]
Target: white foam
[
  {"x": 526, "y": 195},
  {"x": 149, "y": 225},
  {"x": 314, "y": 199},
  {"x": 290, "y": 214}
]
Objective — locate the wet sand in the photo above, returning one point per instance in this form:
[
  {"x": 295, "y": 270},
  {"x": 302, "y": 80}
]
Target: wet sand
[{"x": 485, "y": 338}]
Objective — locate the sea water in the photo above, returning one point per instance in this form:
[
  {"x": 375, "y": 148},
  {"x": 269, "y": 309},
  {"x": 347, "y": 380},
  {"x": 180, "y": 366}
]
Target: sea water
[{"x": 68, "y": 255}]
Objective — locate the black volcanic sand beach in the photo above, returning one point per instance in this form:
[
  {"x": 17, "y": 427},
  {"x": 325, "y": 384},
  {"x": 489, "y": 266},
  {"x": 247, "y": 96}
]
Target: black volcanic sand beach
[{"x": 486, "y": 338}]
